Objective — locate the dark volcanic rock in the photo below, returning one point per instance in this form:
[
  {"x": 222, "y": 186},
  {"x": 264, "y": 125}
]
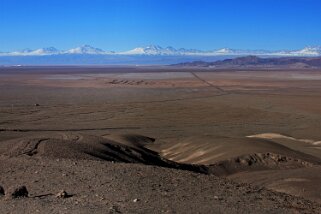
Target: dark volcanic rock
[
  {"x": 1, "y": 191},
  {"x": 17, "y": 192}
]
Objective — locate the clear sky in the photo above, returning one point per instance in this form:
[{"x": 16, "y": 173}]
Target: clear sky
[{"x": 124, "y": 24}]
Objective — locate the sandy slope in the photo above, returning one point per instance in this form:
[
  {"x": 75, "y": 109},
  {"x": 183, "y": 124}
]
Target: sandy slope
[
  {"x": 210, "y": 150},
  {"x": 301, "y": 181},
  {"x": 82, "y": 166},
  {"x": 246, "y": 160}
]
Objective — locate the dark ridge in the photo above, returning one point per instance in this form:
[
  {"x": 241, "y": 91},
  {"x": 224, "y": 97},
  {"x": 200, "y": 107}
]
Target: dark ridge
[
  {"x": 73, "y": 146},
  {"x": 254, "y": 61}
]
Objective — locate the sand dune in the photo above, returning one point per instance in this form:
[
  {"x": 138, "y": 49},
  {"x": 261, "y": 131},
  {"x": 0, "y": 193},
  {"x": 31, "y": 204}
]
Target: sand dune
[
  {"x": 251, "y": 159},
  {"x": 307, "y": 146},
  {"x": 211, "y": 150},
  {"x": 272, "y": 136}
]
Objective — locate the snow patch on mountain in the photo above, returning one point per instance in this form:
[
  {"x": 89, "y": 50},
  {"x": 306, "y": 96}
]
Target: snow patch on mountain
[
  {"x": 307, "y": 51},
  {"x": 151, "y": 50},
  {"x": 156, "y": 50},
  {"x": 85, "y": 49}
]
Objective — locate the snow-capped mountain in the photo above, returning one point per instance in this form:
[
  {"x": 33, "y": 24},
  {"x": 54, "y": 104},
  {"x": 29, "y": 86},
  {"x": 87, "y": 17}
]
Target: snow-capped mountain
[
  {"x": 151, "y": 50},
  {"x": 307, "y": 51},
  {"x": 168, "y": 51},
  {"x": 20, "y": 52},
  {"x": 45, "y": 51},
  {"x": 85, "y": 49},
  {"x": 225, "y": 51},
  {"x": 158, "y": 50},
  {"x": 37, "y": 52},
  {"x": 155, "y": 50}
]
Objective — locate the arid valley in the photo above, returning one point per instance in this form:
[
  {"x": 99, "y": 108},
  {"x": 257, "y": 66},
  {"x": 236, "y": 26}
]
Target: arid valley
[{"x": 160, "y": 140}]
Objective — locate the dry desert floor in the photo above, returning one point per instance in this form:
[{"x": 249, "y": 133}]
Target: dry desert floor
[{"x": 160, "y": 140}]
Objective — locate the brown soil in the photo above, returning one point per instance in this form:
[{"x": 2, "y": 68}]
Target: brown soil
[{"x": 154, "y": 140}]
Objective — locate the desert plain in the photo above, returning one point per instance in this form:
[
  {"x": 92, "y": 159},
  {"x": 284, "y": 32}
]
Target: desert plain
[{"x": 160, "y": 139}]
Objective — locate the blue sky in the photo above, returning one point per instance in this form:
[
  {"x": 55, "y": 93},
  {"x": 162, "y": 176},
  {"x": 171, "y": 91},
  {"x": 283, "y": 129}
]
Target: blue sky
[{"x": 124, "y": 24}]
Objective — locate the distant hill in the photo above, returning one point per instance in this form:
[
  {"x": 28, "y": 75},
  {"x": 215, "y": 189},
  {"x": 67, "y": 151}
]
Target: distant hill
[{"x": 254, "y": 61}]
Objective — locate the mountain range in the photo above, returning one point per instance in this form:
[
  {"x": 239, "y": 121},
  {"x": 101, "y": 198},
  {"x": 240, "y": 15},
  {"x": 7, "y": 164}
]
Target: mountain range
[
  {"x": 155, "y": 50},
  {"x": 257, "y": 62},
  {"x": 149, "y": 55}
]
